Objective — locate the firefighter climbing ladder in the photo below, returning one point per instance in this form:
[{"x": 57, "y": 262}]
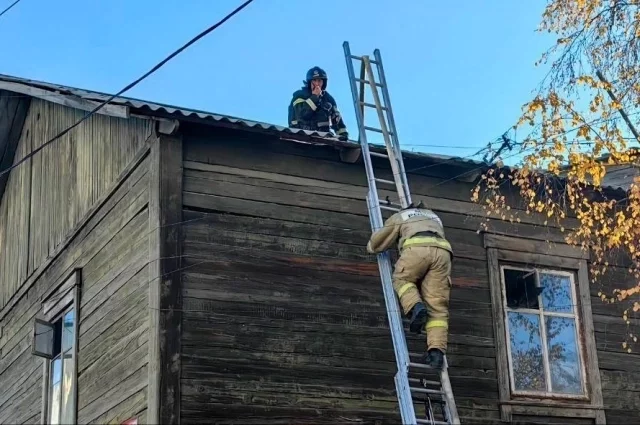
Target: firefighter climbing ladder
[{"x": 409, "y": 384}]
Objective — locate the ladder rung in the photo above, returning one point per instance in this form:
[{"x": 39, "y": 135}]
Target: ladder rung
[
  {"x": 389, "y": 203},
  {"x": 380, "y": 155},
  {"x": 420, "y": 365},
  {"x": 426, "y": 391},
  {"x": 385, "y": 207},
  {"x": 375, "y": 129},
  {"x": 427, "y": 421},
  {"x": 359, "y": 58},
  {"x": 371, "y": 105},
  {"x": 424, "y": 381},
  {"x": 360, "y": 80},
  {"x": 385, "y": 181}
]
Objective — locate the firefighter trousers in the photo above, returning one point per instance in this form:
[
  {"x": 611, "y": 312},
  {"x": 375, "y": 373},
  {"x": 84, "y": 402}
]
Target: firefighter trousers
[{"x": 422, "y": 273}]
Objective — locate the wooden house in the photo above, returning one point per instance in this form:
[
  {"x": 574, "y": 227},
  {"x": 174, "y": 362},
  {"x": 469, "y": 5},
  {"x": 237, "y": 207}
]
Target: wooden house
[{"x": 167, "y": 265}]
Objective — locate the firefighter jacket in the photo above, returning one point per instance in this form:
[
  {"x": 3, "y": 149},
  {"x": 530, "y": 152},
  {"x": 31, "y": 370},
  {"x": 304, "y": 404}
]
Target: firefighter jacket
[
  {"x": 409, "y": 227},
  {"x": 308, "y": 111}
]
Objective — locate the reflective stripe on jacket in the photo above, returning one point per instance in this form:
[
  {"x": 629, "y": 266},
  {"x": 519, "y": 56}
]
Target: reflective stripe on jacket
[{"x": 410, "y": 227}]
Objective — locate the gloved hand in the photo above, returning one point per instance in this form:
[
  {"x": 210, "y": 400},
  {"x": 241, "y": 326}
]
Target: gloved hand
[{"x": 343, "y": 137}]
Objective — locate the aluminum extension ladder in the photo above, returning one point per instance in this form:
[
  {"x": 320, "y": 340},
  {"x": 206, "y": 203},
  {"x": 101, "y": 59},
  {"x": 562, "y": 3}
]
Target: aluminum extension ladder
[{"x": 409, "y": 379}]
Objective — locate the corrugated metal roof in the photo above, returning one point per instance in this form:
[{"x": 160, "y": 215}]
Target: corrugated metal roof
[
  {"x": 155, "y": 107},
  {"x": 313, "y": 137},
  {"x": 179, "y": 112}
]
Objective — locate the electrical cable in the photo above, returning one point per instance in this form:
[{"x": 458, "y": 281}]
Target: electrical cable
[
  {"x": 9, "y": 7},
  {"x": 129, "y": 86}
]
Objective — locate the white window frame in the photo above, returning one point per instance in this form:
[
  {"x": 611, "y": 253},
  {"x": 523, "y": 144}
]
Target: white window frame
[
  {"x": 549, "y": 393},
  {"x": 56, "y": 305}
]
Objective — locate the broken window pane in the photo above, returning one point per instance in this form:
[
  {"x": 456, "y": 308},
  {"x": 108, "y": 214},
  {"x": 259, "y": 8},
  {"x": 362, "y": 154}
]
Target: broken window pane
[
  {"x": 556, "y": 293},
  {"x": 67, "y": 331},
  {"x": 521, "y": 289},
  {"x": 564, "y": 360},
  {"x": 526, "y": 352}
]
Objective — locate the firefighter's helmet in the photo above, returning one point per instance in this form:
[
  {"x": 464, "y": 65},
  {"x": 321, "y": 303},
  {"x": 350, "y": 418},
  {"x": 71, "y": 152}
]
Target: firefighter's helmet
[{"x": 317, "y": 72}]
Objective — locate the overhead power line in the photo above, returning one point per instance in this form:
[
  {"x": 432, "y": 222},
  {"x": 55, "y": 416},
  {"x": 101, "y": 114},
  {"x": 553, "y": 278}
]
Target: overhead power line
[
  {"x": 129, "y": 86},
  {"x": 9, "y": 7}
]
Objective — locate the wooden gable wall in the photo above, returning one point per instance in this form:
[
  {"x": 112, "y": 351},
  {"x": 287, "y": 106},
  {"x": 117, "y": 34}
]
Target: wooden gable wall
[
  {"x": 283, "y": 316},
  {"x": 49, "y": 194},
  {"x": 111, "y": 250},
  {"x": 81, "y": 203}
]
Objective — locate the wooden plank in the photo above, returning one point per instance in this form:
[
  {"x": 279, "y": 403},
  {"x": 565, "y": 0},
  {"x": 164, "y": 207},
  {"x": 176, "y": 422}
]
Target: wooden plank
[
  {"x": 591, "y": 363},
  {"x": 621, "y": 416},
  {"x": 290, "y": 197},
  {"x": 126, "y": 332},
  {"x": 539, "y": 260},
  {"x": 165, "y": 211},
  {"x": 26, "y": 402},
  {"x": 499, "y": 334},
  {"x": 12, "y": 117},
  {"x": 129, "y": 408},
  {"x": 197, "y": 169},
  {"x": 200, "y": 410},
  {"x": 618, "y": 361},
  {"x": 223, "y": 228},
  {"x": 131, "y": 298},
  {"x": 533, "y": 419},
  {"x": 119, "y": 111},
  {"x": 257, "y": 157},
  {"x": 14, "y": 203},
  {"x": 122, "y": 249},
  {"x": 18, "y": 375},
  {"x": 109, "y": 372},
  {"x": 92, "y": 218},
  {"x": 616, "y": 381},
  {"x": 134, "y": 383},
  {"x": 534, "y": 247},
  {"x": 119, "y": 277},
  {"x": 83, "y": 251}
]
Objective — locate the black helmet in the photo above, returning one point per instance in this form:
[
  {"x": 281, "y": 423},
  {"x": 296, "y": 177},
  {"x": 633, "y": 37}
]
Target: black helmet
[{"x": 317, "y": 72}]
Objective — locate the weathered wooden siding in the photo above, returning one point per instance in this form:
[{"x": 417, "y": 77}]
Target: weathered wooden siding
[
  {"x": 619, "y": 370},
  {"x": 112, "y": 251},
  {"x": 280, "y": 290},
  {"x": 49, "y": 194},
  {"x": 283, "y": 316}
]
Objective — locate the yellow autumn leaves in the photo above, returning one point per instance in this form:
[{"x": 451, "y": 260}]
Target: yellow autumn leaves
[{"x": 575, "y": 135}]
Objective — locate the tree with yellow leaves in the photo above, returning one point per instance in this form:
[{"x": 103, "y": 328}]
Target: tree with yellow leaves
[{"x": 582, "y": 120}]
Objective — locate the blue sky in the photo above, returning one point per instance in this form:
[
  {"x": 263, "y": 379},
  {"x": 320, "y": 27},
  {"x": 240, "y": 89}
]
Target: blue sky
[{"x": 458, "y": 72}]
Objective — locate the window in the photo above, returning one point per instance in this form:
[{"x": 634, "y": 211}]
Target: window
[
  {"x": 547, "y": 362},
  {"x": 55, "y": 339},
  {"x": 542, "y": 331}
]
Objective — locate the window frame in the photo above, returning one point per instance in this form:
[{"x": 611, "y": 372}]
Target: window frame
[
  {"x": 519, "y": 252},
  {"x": 59, "y": 302},
  {"x": 542, "y": 314}
]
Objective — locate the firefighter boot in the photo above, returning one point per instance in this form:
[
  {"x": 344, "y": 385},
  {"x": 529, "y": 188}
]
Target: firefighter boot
[
  {"x": 434, "y": 358},
  {"x": 418, "y": 318}
]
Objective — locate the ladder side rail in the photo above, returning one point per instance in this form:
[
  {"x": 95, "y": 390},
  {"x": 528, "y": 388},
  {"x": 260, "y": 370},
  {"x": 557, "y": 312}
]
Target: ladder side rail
[
  {"x": 402, "y": 189},
  {"x": 450, "y": 405},
  {"x": 392, "y": 123},
  {"x": 407, "y": 410}
]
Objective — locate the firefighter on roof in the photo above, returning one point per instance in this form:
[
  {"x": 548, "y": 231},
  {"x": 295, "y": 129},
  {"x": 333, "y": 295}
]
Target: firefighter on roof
[
  {"x": 422, "y": 273},
  {"x": 313, "y": 108}
]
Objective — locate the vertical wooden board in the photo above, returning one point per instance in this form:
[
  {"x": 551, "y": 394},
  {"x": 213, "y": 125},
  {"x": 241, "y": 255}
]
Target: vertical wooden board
[
  {"x": 49, "y": 195},
  {"x": 165, "y": 214}
]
